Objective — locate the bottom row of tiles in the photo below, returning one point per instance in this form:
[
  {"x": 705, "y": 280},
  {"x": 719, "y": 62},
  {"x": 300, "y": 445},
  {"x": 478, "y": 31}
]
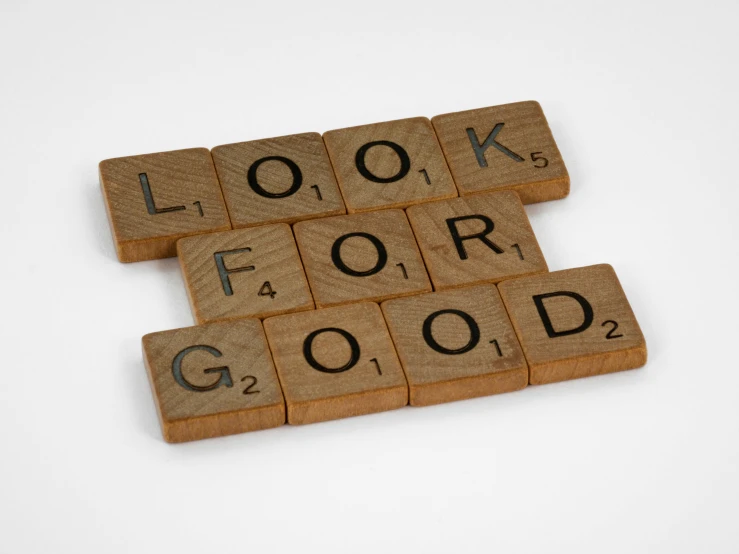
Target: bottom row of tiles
[{"x": 244, "y": 375}]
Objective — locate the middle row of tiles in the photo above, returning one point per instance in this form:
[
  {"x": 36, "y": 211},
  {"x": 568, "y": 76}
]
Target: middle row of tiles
[{"x": 259, "y": 271}]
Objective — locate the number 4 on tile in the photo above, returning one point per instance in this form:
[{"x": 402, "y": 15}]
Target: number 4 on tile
[{"x": 266, "y": 290}]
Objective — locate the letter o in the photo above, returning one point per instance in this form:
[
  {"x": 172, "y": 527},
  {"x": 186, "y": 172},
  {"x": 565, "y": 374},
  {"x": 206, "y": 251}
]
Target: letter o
[
  {"x": 251, "y": 177},
  {"x": 308, "y": 350},
  {"x": 468, "y": 319},
  {"x": 405, "y": 162},
  {"x": 341, "y": 266}
]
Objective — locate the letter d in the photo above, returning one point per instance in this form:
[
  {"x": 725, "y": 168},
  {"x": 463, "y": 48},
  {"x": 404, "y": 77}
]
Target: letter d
[{"x": 587, "y": 310}]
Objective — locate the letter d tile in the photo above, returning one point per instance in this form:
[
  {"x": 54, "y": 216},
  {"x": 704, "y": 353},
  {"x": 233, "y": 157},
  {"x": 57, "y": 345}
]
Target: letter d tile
[{"x": 574, "y": 323}]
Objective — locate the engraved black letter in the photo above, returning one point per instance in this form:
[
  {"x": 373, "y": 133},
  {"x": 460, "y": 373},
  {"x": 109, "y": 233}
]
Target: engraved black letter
[
  {"x": 482, "y": 235},
  {"x": 149, "y": 198},
  {"x": 251, "y": 176},
  {"x": 467, "y": 318},
  {"x": 339, "y": 263},
  {"x": 224, "y": 379},
  {"x": 223, "y": 271},
  {"x": 490, "y": 141},
  {"x": 308, "y": 350},
  {"x": 405, "y": 162},
  {"x": 587, "y": 311}
]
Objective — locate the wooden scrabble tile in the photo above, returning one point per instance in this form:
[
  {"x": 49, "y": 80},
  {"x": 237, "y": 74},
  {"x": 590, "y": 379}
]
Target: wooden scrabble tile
[
  {"x": 253, "y": 272},
  {"x": 503, "y": 147},
  {"x": 283, "y": 179},
  {"x": 334, "y": 363},
  {"x": 456, "y": 344},
  {"x": 476, "y": 239},
  {"x": 389, "y": 165},
  {"x": 574, "y": 323},
  {"x": 212, "y": 380},
  {"x": 370, "y": 256},
  {"x": 155, "y": 199}
]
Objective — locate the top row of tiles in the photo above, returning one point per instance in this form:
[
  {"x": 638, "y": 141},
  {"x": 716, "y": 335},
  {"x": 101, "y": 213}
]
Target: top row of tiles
[{"x": 155, "y": 199}]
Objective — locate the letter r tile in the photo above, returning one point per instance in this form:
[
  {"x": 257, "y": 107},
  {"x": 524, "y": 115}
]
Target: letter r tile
[
  {"x": 476, "y": 239},
  {"x": 574, "y": 323},
  {"x": 212, "y": 380}
]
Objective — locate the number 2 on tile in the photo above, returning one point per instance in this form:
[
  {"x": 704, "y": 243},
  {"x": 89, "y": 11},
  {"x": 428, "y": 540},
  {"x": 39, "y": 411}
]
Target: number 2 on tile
[
  {"x": 614, "y": 326},
  {"x": 248, "y": 390}
]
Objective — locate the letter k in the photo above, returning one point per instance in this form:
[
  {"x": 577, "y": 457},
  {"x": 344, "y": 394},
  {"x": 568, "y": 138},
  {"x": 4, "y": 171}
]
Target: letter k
[{"x": 490, "y": 141}]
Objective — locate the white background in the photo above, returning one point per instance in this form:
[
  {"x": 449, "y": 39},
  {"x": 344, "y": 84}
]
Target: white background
[{"x": 642, "y": 99}]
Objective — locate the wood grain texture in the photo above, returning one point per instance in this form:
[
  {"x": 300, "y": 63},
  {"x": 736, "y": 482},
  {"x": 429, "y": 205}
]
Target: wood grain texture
[
  {"x": 279, "y": 191},
  {"x": 213, "y": 395},
  {"x": 184, "y": 198},
  {"x": 522, "y": 155},
  {"x": 387, "y": 242},
  {"x": 436, "y": 225},
  {"x": 350, "y": 380},
  {"x": 425, "y": 177},
  {"x": 570, "y": 337},
  {"x": 450, "y": 355},
  {"x": 253, "y": 272}
]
